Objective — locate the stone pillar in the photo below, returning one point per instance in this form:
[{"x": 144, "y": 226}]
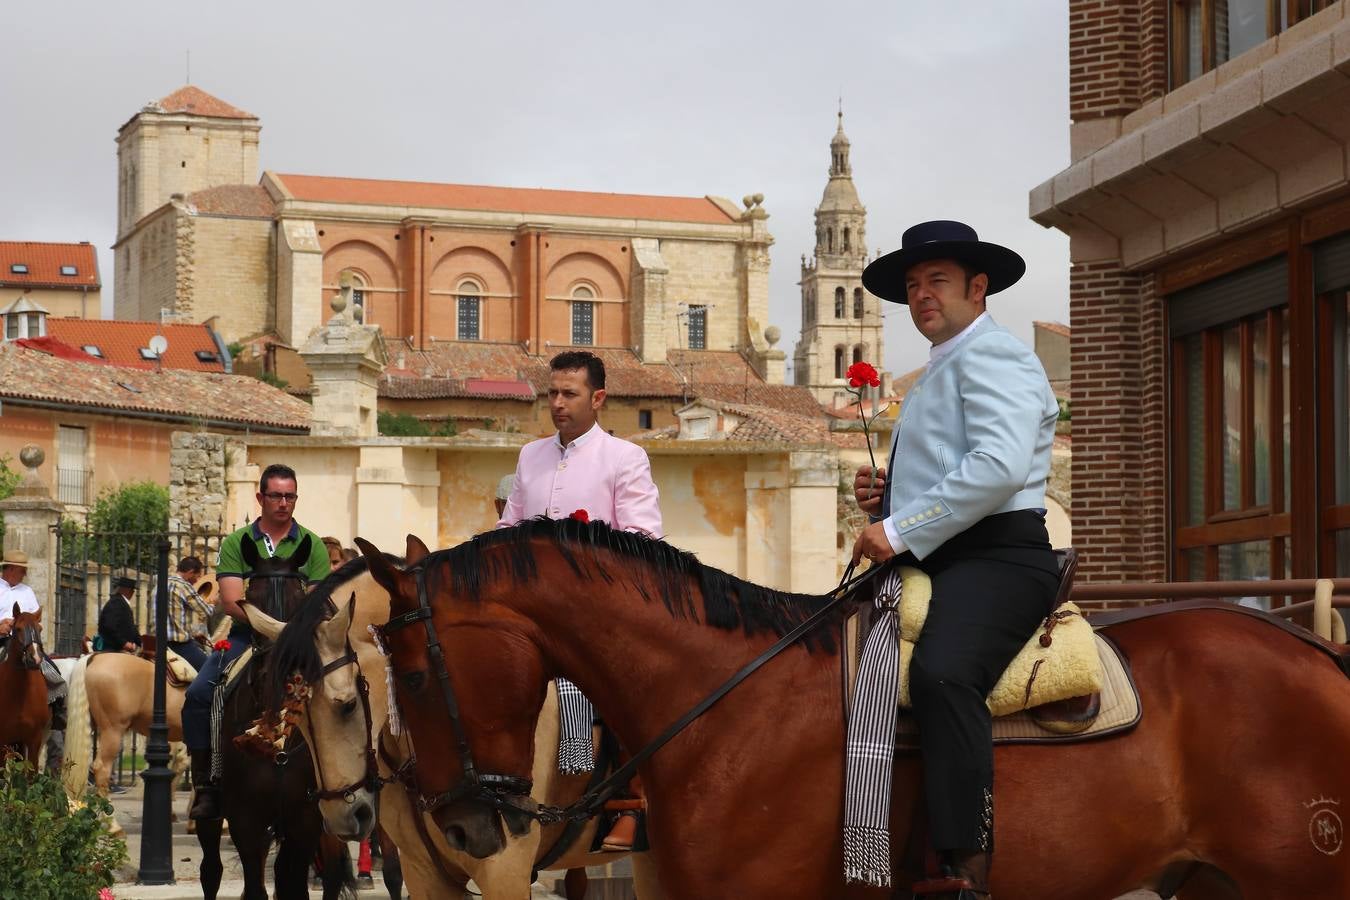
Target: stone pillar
[
  {"x": 813, "y": 481},
  {"x": 647, "y": 327},
  {"x": 299, "y": 280},
  {"x": 767, "y": 543},
  {"x": 396, "y": 495},
  {"x": 197, "y": 482},
  {"x": 345, "y": 361},
  {"x": 30, "y": 514}
]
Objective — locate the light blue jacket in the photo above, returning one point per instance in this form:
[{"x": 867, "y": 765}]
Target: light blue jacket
[{"x": 973, "y": 440}]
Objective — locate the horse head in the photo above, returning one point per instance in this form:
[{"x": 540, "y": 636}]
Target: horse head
[
  {"x": 469, "y": 687},
  {"x": 336, "y": 717},
  {"x": 276, "y": 584},
  {"x": 25, "y": 638}
]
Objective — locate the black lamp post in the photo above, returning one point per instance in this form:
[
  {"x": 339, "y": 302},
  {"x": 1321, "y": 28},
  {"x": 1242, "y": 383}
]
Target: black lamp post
[{"x": 156, "y": 805}]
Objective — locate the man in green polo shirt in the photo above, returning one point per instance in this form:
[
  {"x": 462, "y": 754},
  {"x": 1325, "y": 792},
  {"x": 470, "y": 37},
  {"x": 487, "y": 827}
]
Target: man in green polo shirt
[{"x": 274, "y": 533}]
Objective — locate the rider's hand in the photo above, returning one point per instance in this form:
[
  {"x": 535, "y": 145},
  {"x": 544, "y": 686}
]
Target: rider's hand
[
  {"x": 867, "y": 494},
  {"x": 129, "y": 647},
  {"x": 873, "y": 544}
]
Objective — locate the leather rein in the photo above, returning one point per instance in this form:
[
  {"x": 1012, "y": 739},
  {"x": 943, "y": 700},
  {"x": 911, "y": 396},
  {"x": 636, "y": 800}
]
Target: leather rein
[
  {"x": 511, "y": 792},
  {"x": 371, "y": 780}
]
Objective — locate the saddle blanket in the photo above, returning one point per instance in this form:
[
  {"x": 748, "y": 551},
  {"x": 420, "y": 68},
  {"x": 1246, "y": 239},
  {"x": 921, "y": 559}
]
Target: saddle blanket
[{"x": 1058, "y": 662}]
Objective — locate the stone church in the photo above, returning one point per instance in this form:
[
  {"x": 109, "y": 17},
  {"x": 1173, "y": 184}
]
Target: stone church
[
  {"x": 841, "y": 320},
  {"x": 201, "y": 233}
]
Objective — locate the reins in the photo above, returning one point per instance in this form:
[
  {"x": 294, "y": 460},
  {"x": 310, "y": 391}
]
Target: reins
[{"x": 502, "y": 791}]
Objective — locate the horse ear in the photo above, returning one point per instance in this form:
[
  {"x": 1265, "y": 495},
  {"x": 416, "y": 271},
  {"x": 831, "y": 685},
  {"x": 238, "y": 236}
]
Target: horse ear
[
  {"x": 417, "y": 551},
  {"x": 250, "y": 550},
  {"x": 262, "y": 623},
  {"x": 16, "y": 610},
  {"x": 301, "y": 554},
  {"x": 384, "y": 572}
]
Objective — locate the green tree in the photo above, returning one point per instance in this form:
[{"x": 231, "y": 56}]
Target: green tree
[
  {"x": 9, "y": 480},
  {"x": 136, "y": 506},
  {"x": 122, "y": 529},
  {"x": 392, "y": 424}
]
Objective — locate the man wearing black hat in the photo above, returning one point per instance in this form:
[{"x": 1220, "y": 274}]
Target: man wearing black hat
[
  {"x": 116, "y": 624},
  {"x": 963, "y": 499}
]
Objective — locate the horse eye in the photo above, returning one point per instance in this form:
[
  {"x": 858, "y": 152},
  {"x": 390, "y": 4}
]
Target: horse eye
[
  {"x": 348, "y": 708},
  {"x": 415, "y": 680}
]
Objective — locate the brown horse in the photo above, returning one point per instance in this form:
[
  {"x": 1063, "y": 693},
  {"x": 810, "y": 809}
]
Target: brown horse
[
  {"x": 340, "y": 737},
  {"x": 1233, "y": 777},
  {"x": 24, "y": 715}
]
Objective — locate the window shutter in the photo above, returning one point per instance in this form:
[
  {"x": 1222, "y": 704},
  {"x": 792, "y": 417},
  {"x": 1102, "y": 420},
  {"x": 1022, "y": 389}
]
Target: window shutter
[
  {"x": 1229, "y": 297},
  {"x": 1331, "y": 264}
]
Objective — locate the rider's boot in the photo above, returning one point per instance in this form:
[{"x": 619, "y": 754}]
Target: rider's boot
[
  {"x": 207, "y": 802},
  {"x": 624, "y": 831},
  {"x": 965, "y": 876}
]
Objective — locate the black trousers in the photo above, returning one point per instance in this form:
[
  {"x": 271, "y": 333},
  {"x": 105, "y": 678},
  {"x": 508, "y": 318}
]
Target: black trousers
[{"x": 993, "y": 584}]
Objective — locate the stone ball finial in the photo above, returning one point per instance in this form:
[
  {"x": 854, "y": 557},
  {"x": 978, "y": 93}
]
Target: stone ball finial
[
  {"x": 748, "y": 200},
  {"x": 773, "y": 334},
  {"x": 339, "y": 302},
  {"x": 358, "y": 314},
  {"x": 32, "y": 456},
  {"x": 758, "y": 198}
]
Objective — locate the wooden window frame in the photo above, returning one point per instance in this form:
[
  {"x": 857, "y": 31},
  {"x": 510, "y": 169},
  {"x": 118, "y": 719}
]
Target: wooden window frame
[{"x": 1277, "y": 11}]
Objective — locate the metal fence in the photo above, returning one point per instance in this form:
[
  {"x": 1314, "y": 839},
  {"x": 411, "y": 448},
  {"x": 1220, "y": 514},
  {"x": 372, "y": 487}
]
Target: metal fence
[{"x": 86, "y": 564}]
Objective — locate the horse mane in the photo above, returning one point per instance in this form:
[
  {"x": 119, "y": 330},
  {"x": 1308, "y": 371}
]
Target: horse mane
[
  {"x": 675, "y": 576},
  {"x": 294, "y": 651}
]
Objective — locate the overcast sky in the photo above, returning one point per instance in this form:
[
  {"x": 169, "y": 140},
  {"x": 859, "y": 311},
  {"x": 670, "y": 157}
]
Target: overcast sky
[{"x": 954, "y": 109}]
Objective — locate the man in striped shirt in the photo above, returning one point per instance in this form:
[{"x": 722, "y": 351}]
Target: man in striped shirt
[{"x": 184, "y": 606}]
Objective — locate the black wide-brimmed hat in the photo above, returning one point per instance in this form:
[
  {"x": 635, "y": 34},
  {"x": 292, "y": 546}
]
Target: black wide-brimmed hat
[
  {"x": 942, "y": 239},
  {"x": 123, "y": 582}
]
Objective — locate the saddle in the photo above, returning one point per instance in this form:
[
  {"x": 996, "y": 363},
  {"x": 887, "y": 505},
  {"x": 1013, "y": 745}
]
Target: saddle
[{"x": 178, "y": 672}]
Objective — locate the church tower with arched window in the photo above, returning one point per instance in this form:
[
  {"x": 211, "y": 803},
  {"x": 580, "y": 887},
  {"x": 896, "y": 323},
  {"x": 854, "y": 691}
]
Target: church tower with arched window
[{"x": 841, "y": 321}]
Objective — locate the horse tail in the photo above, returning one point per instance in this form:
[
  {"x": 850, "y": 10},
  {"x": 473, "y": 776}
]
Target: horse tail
[{"x": 78, "y": 740}]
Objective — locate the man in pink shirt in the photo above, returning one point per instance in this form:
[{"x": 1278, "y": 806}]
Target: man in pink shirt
[{"x": 584, "y": 467}]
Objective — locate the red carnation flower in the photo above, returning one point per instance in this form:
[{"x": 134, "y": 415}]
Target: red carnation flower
[
  {"x": 221, "y": 645},
  {"x": 861, "y": 374},
  {"x": 581, "y": 516}
]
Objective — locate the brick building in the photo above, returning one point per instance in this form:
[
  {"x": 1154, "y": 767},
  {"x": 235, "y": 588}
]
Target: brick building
[
  {"x": 1208, "y": 210},
  {"x": 201, "y": 233}
]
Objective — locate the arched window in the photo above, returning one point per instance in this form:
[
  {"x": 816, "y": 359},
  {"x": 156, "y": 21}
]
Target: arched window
[
  {"x": 359, "y": 288},
  {"x": 846, "y": 244},
  {"x": 838, "y": 362},
  {"x": 839, "y": 303},
  {"x": 857, "y": 303},
  {"x": 858, "y": 351},
  {"x": 829, "y": 240},
  {"x": 583, "y": 316},
  {"x": 468, "y": 310}
]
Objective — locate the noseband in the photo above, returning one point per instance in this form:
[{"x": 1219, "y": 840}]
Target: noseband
[
  {"x": 371, "y": 781},
  {"x": 505, "y": 793}
]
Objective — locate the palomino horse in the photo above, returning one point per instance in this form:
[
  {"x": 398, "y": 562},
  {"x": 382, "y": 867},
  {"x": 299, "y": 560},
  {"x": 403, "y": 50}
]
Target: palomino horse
[
  {"x": 115, "y": 691},
  {"x": 268, "y": 800},
  {"x": 25, "y": 715},
  {"x": 1230, "y": 784},
  {"x": 316, "y": 643}
]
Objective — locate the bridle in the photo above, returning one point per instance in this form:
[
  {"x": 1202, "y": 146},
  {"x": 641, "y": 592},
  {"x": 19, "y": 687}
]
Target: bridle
[
  {"x": 371, "y": 780},
  {"x": 21, "y": 638},
  {"x": 510, "y": 793},
  {"x": 276, "y": 594},
  {"x": 505, "y": 793}
]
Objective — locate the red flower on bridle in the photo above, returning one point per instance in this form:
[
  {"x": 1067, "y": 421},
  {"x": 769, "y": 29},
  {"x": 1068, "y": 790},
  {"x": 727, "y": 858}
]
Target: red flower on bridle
[
  {"x": 861, "y": 374},
  {"x": 580, "y": 515},
  {"x": 221, "y": 645}
]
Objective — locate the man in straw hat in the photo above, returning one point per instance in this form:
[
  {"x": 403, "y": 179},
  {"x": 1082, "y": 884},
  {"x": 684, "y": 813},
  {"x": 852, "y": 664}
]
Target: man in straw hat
[
  {"x": 963, "y": 499},
  {"x": 13, "y": 591}
]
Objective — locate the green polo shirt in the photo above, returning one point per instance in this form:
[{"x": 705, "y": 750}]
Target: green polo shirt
[{"x": 231, "y": 560}]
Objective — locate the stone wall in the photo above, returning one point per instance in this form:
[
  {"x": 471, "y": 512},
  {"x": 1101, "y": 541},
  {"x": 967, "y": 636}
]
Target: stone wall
[
  {"x": 229, "y": 275},
  {"x": 197, "y": 463}
]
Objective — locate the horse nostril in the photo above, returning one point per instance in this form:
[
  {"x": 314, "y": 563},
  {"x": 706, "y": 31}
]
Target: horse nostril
[
  {"x": 456, "y": 837},
  {"x": 365, "y": 818}
]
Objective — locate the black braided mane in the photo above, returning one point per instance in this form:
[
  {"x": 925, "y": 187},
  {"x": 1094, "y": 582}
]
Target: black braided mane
[
  {"x": 653, "y": 568},
  {"x": 294, "y": 651}
]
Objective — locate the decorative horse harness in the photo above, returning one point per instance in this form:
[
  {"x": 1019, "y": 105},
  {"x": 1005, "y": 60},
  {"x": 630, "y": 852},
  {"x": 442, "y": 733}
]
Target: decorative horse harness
[{"x": 509, "y": 794}]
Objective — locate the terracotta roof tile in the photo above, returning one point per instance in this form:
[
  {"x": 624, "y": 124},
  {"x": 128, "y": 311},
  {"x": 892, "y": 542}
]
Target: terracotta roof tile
[
  {"x": 766, "y": 423},
  {"x": 53, "y": 347},
  {"x": 245, "y": 200},
  {"x": 195, "y": 101},
  {"x": 120, "y": 342},
  {"x": 1054, "y": 328},
  {"x": 323, "y": 189},
  {"x": 216, "y": 399},
  {"x": 44, "y": 261}
]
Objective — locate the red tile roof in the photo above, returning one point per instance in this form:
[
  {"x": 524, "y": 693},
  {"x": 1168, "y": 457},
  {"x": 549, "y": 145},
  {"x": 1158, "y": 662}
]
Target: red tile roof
[
  {"x": 1054, "y": 328},
  {"x": 121, "y": 342},
  {"x": 322, "y": 189},
  {"x": 244, "y": 200},
  {"x": 53, "y": 347},
  {"x": 765, "y": 423},
  {"x": 213, "y": 399},
  {"x": 44, "y": 261},
  {"x": 195, "y": 101}
]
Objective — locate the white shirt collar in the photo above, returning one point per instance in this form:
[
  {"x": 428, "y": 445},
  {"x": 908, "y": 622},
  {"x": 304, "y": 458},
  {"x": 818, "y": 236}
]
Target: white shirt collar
[
  {"x": 947, "y": 346},
  {"x": 557, "y": 438}
]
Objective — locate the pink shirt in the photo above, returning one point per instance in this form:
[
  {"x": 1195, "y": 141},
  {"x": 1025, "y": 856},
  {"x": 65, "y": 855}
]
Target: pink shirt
[{"x": 608, "y": 477}]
